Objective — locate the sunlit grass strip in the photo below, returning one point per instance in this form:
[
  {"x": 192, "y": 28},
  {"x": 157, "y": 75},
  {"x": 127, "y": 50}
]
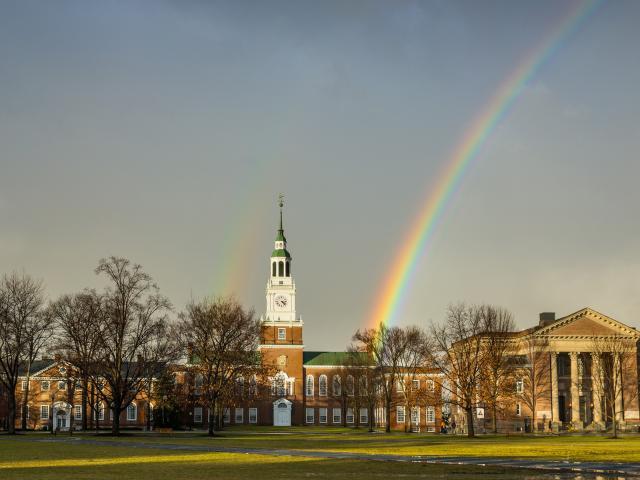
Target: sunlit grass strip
[{"x": 191, "y": 458}]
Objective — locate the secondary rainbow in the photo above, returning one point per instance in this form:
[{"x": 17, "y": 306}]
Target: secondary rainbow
[{"x": 395, "y": 288}]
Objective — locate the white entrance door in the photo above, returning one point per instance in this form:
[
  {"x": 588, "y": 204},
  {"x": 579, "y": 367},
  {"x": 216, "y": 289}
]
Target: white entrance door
[{"x": 282, "y": 414}]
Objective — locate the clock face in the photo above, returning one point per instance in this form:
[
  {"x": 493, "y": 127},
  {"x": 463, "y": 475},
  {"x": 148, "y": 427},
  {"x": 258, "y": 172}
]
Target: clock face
[{"x": 281, "y": 301}]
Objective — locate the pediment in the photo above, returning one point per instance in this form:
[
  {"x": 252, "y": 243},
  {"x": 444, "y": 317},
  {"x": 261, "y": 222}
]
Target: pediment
[
  {"x": 57, "y": 369},
  {"x": 587, "y": 323}
]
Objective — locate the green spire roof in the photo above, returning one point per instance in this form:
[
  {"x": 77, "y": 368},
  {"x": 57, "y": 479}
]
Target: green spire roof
[
  {"x": 281, "y": 252},
  {"x": 280, "y": 236}
]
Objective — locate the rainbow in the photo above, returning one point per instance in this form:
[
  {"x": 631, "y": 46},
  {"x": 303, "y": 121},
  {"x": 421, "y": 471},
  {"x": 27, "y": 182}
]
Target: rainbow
[{"x": 395, "y": 288}]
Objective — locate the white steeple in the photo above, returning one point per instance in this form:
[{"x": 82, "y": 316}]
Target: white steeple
[{"x": 281, "y": 289}]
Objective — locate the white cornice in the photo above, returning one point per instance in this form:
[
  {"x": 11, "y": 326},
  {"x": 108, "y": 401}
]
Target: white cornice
[{"x": 286, "y": 345}]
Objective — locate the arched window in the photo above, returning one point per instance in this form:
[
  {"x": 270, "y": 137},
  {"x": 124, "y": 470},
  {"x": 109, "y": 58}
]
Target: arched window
[
  {"x": 322, "y": 386},
  {"x": 279, "y": 385},
  {"x": 273, "y": 269},
  {"x": 337, "y": 386},
  {"x": 309, "y": 386},
  {"x": 281, "y": 269},
  {"x": 288, "y": 269},
  {"x": 350, "y": 385},
  {"x": 132, "y": 412},
  {"x": 99, "y": 411},
  {"x": 362, "y": 385},
  {"x": 240, "y": 386}
]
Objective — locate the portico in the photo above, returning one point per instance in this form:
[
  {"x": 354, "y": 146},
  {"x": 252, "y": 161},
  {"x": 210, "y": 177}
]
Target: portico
[{"x": 588, "y": 353}]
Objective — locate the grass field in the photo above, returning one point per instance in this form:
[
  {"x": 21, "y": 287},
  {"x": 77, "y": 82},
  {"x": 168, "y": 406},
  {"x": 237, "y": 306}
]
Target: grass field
[
  {"x": 22, "y": 458},
  {"x": 569, "y": 448},
  {"x": 59, "y": 460}
]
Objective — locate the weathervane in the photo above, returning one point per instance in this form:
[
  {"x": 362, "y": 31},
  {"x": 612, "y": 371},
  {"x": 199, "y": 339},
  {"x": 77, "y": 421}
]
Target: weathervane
[{"x": 281, "y": 199}]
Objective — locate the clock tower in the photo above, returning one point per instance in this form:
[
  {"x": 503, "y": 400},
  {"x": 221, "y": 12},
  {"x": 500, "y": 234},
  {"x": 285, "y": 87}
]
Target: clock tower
[{"x": 281, "y": 338}]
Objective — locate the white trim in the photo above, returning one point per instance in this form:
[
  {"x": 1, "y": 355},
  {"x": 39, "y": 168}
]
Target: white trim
[{"x": 284, "y": 345}]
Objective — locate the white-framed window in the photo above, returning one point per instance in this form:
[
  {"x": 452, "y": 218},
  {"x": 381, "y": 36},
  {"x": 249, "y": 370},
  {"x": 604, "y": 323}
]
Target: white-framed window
[
  {"x": 132, "y": 412},
  {"x": 337, "y": 386},
  {"x": 77, "y": 412},
  {"x": 291, "y": 384},
  {"x": 253, "y": 415},
  {"x": 362, "y": 385},
  {"x": 198, "y": 381},
  {"x": 240, "y": 386},
  {"x": 364, "y": 416},
  {"x": 309, "y": 415},
  {"x": 399, "y": 385},
  {"x": 350, "y": 386},
  {"x": 111, "y": 414},
  {"x": 431, "y": 385},
  {"x": 380, "y": 415},
  {"x": 62, "y": 385},
  {"x": 282, "y": 334},
  {"x": 416, "y": 384},
  {"x": 415, "y": 415},
  {"x": 518, "y": 409},
  {"x": 197, "y": 414},
  {"x": 431, "y": 415},
  {"x": 99, "y": 411},
  {"x": 322, "y": 386},
  {"x": 239, "y": 415},
  {"x": 226, "y": 416},
  {"x": 253, "y": 386},
  {"x": 400, "y": 414},
  {"x": 350, "y": 417},
  {"x": 25, "y": 384},
  {"x": 44, "y": 385},
  {"x": 337, "y": 415},
  {"x": 44, "y": 412},
  {"x": 322, "y": 415},
  {"x": 309, "y": 386},
  {"x": 519, "y": 385}
]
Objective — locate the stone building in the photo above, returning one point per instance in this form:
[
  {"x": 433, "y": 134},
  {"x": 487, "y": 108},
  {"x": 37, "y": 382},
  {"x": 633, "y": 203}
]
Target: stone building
[{"x": 586, "y": 369}]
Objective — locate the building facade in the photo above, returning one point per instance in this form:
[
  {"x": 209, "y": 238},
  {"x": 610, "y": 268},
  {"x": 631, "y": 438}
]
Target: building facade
[{"x": 578, "y": 359}]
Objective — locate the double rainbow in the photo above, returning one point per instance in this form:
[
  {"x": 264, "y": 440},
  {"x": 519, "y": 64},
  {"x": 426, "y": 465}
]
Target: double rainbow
[{"x": 395, "y": 288}]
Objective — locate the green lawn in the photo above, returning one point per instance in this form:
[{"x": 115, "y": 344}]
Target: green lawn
[
  {"x": 26, "y": 460},
  {"x": 570, "y": 448}
]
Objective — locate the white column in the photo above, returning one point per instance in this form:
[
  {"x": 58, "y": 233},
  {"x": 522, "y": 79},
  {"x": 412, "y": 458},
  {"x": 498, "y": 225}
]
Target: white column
[
  {"x": 575, "y": 396},
  {"x": 596, "y": 395},
  {"x": 555, "y": 415}
]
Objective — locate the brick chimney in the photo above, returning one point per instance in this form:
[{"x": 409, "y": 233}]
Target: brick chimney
[{"x": 547, "y": 318}]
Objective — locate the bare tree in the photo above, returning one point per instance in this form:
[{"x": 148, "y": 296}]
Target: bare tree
[
  {"x": 22, "y": 334},
  {"x": 223, "y": 339},
  {"x": 386, "y": 348},
  {"x": 534, "y": 367},
  {"x": 78, "y": 321},
  {"x": 135, "y": 317},
  {"x": 457, "y": 355},
  {"x": 414, "y": 361},
  {"x": 497, "y": 387},
  {"x": 615, "y": 355}
]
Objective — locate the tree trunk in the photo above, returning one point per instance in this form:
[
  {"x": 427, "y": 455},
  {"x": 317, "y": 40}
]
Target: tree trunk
[
  {"x": 388, "y": 419},
  {"x": 12, "y": 411},
  {"x": 115, "y": 426},
  {"x": 212, "y": 418},
  {"x": 470, "y": 430},
  {"x": 85, "y": 387},
  {"x": 25, "y": 405},
  {"x": 148, "y": 415},
  {"x": 494, "y": 414}
]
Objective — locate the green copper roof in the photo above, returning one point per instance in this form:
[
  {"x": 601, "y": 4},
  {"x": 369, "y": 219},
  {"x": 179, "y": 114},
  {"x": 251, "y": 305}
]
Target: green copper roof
[
  {"x": 281, "y": 252},
  {"x": 280, "y": 236},
  {"x": 333, "y": 358}
]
